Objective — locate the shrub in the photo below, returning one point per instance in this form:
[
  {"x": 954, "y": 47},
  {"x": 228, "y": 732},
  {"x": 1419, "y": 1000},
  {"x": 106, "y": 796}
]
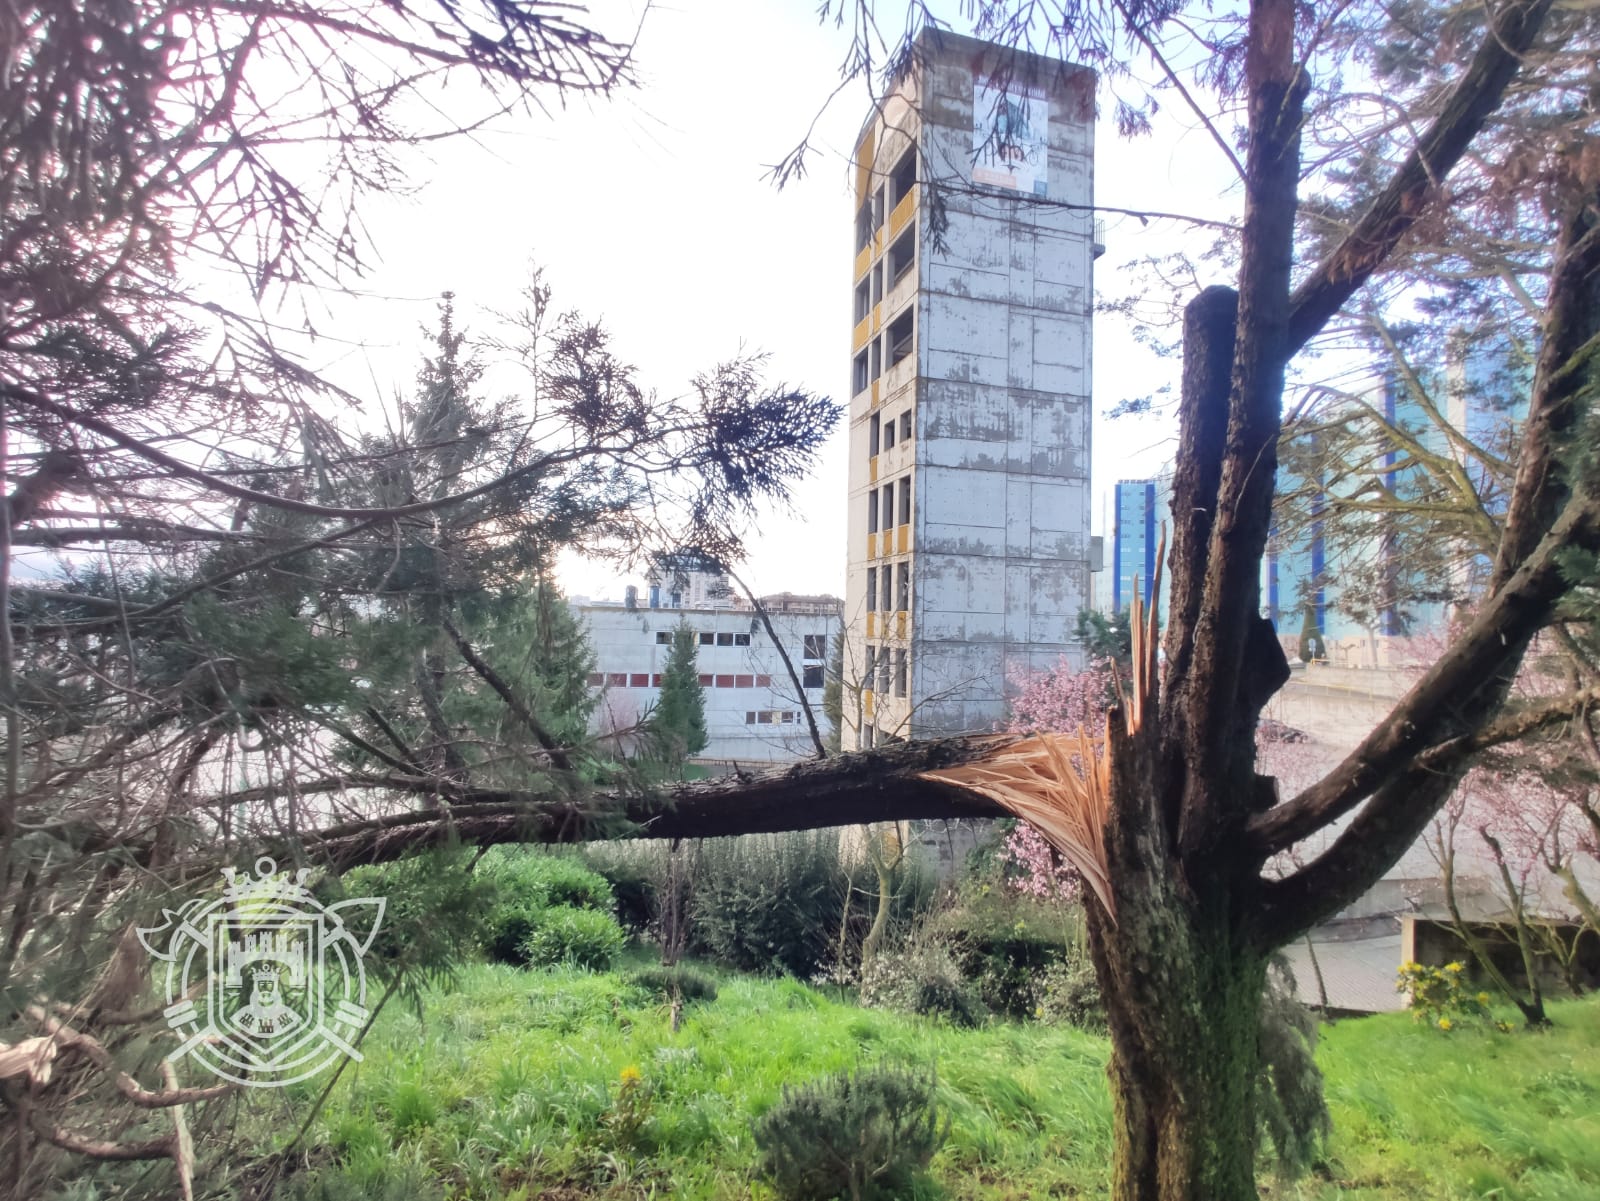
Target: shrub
[
  {"x": 686, "y": 982},
  {"x": 537, "y": 879},
  {"x": 768, "y": 903},
  {"x": 921, "y": 979},
  {"x": 1441, "y": 996},
  {"x": 630, "y": 870},
  {"x": 1069, "y": 994},
  {"x": 1002, "y": 942},
  {"x": 525, "y": 884},
  {"x": 583, "y": 938},
  {"x": 861, "y": 1135}
]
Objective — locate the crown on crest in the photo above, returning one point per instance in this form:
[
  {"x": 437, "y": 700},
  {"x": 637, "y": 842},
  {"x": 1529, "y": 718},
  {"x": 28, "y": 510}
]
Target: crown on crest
[{"x": 267, "y": 884}]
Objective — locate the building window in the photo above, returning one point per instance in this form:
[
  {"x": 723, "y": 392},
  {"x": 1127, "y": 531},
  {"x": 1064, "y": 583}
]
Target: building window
[
  {"x": 872, "y": 658},
  {"x": 617, "y": 679},
  {"x": 872, "y": 435},
  {"x": 900, "y": 671},
  {"x": 905, "y": 426},
  {"x": 860, "y": 378},
  {"x": 788, "y": 716},
  {"x": 816, "y": 646},
  {"x": 724, "y": 682},
  {"x": 875, "y": 357},
  {"x": 725, "y": 639},
  {"x": 864, "y": 225},
  {"x": 888, "y": 506},
  {"x": 763, "y": 681},
  {"x": 863, "y": 299},
  {"x": 663, "y": 637},
  {"x": 900, "y": 336},
  {"x": 741, "y": 640},
  {"x": 888, "y": 588},
  {"x": 639, "y": 679},
  {"x": 866, "y": 737},
  {"x": 812, "y": 676},
  {"x": 903, "y": 178},
  {"x": 902, "y": 592},
  {"x": 707, "y": 639},
  {"x": 706, "y": 681},
  {"x": 888, "y": 434},
  {"x": 750, "y": 717},
  {"x": 655, "y": 680},
  {"x": 872, "y": 590},
  {"x": 877, "y": 282},
  {"x": 596, "y": 679},
  {"x": 883, "y": 670},
  {"x": 744, "y": 681},
  {"x": 902, "y": 255},
  {"x": 872, "y": 511},
  {"x": 905, "y": 500}
]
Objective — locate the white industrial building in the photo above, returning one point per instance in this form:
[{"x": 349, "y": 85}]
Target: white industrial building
[
  {"x": 969, "y": 544},
  {"x": 754, "y": 713}
]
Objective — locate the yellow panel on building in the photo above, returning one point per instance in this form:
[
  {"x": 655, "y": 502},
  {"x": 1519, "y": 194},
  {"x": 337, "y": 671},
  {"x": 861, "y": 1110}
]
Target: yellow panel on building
[
  {"x": 900, "y": 624},
  {"x": 872, "y": 470},
  {"x": 903, "y": 211},
  {"x": 903, "y": 538},
  {"x": 872, "y": 625},
  {"x": 864, "y": 330}
]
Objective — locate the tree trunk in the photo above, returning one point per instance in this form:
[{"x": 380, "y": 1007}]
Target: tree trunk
[
  {"x": 1182, "y": 982},
  {"x": 1184, "y": 1009}
]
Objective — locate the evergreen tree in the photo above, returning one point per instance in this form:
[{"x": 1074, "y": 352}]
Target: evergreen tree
[{"x": 678, "y": 725}]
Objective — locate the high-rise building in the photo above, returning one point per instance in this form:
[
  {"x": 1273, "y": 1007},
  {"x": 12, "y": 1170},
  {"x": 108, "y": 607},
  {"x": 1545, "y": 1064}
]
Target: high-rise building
[
  {"x": 969, "y": 419},
  {"x": 1143, "y": 511}
]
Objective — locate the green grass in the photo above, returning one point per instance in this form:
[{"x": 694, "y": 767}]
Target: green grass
[{"x": 511, "y": 1086}]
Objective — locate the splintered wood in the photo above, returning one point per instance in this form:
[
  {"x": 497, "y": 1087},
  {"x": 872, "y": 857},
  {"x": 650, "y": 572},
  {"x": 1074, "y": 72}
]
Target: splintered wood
[{"x": 1060, "y": 783}]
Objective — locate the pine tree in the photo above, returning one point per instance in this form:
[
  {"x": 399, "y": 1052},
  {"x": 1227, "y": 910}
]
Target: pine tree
[{"x": 678, "y": 726}]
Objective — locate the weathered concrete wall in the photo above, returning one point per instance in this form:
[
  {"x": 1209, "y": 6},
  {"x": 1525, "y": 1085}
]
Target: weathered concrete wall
[{"x": 999, "y": 388}]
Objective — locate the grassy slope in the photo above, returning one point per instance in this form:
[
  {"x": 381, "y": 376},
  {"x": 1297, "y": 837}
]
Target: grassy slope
[{"x": 509, "y": 1086}]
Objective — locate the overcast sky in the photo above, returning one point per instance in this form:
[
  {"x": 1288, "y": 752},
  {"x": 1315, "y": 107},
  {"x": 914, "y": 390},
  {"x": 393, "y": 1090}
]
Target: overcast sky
[{"x": 650, "y": 211}]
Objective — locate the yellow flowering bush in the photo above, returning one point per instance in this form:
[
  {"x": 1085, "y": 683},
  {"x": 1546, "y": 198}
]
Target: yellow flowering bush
[{"x": 1439, "y": 995}]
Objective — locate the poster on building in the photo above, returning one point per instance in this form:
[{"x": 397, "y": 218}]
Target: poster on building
[{"x": 1010, "y": 135}]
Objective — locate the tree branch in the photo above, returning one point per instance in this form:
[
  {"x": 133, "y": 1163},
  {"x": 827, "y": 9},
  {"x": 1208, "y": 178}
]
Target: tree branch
[{"x": 1397, "y": 208}]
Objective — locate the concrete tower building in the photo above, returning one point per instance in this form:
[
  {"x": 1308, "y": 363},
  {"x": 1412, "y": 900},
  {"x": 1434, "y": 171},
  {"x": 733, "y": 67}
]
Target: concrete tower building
[{"x": 969, "y": 418}]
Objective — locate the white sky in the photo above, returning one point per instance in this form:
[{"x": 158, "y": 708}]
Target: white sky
[{"x": 650, "y": 212}]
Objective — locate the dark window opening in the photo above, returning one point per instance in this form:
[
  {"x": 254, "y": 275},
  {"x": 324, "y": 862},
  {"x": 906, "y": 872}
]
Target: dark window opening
[
  {"x": 888, "y": 589},
  {"x": 902, "y": 255},
  {"x": 888, "y": 434},
  {"x": 617, "y": 679},
  {"x": 888, "y": 506},
  {"x": 875, "y": 356},
  {"x": 872, "y": 435},
  {"x": 883, "y": 670},
  {"x": 900, "y": 337},
  {"x": 816, "y": 646},
  {"x": 872, "y": 593},
  {"x": 706, "y": 681},
  {"x": 663, "y": 637},
  {"x": 866, "y": 738},
  {"x": 859, "y": 377},
  {"x": 905, "y": 500},
  {"x": 741, "y": 640},
  {"x": 872, "y": 511},
  {"x": 707, "y": 639},
  {"x": 639, "y": 679},
  {"x": 812, "y": 677},
  {"x": 864, "y": 225},
  {"x": 724, "y": 639},
  {"x": 863, "y": 299},
  {"x": 903, "y": 588},
  {"x": 905, "y": 426},
  {"x": 872, "y": 657},
  {"x": 900, "y": 673},
  {"x": 903, "y": 178},
  {"x": 877, "y": 281}
]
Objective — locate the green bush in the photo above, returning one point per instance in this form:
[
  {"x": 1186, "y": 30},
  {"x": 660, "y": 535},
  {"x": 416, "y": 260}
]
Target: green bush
[
  {"x": 1069, "y": 995},
  {"x": 1002, "y": 942},
  {"x": 862, "y": 1135},
  {"x": 686, "y": 982},
  {"x": 525, "y": 885},
  {"x": 534, "y": 878},
  {"x": 922, "y": 979},
  {"x": 583, "y": 938},
  {"x": 769, "y": 903},
  {"x": 630, "y": 870}
]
